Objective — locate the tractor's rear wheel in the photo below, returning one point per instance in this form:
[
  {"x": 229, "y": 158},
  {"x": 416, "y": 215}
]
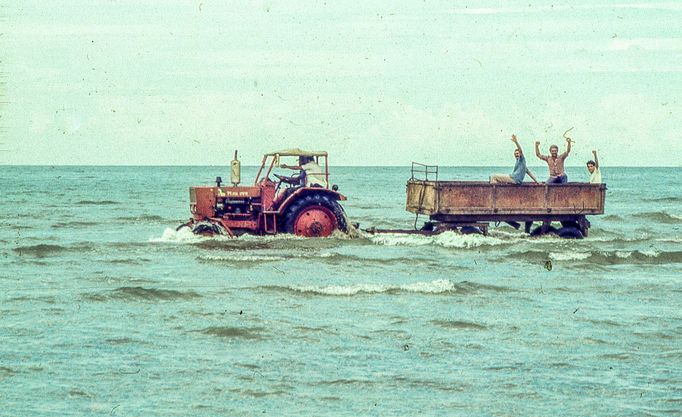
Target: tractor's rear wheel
[{"x": 314, "y": 215}]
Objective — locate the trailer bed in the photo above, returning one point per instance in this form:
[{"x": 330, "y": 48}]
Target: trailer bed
[{"x": 464, "y": 202}]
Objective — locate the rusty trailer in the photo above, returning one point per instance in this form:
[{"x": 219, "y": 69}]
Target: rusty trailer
[{"x": 472, "y": 205}]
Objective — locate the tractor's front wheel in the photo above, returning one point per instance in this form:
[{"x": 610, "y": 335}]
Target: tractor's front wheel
[
  {"x": 314, "y": 215},
  {"x": 208, "y": 229}
]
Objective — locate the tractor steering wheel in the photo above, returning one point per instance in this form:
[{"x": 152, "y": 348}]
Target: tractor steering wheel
[{"x": 288, "y": 180}]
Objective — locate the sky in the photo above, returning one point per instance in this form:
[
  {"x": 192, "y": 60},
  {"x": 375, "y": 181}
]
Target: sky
[{"x": 170, "y": 82}]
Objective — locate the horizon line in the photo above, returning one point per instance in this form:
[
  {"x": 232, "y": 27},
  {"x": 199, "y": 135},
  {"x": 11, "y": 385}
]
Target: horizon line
[{"x": 331, "y": 166}]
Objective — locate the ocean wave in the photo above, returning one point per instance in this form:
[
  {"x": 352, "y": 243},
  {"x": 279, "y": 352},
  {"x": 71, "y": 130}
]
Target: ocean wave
[
  {"x": 123, "y": 341},
  {"x": 569, "y": 256},
  {"x": 227, "y": 244},
  {"x": 141, "y": 218},
  {"x": 594, "y": 341},
  {"x": 246, "y": 333},
  {"x": 605, "y": 258},
  {"x": 33, "y": 298},
  {"x": 670, "y": 240},
  {"x": 287, "y": 241},
  {"x": 224, "y": 242},
  {"x": 426, "y": 383},
  {"x": 268, "y": 255},
  {"x": 458, "y": 324},
  {"x": 238, "y": 258},
  {"x": 245, "y": 258},
  {"x": 344, "y": 381},
  {"x": 621, "y": 240},
  {"x": 6, "y": 372},
  {"x": 286, "y": 238},
  {"x": 75, "y": 392},
  {"x": 128, "y": 261},
  {"x": 342, "y": 259},
  {"x": 446, "y": 240},
  {"x": 260, "y": 394},
  {"x": 97, "y": 202},
  {"x": 613, "y": 218},
  {"x": 659, "y": 217},
  {"x": 40, "y": 250},
  {"x": 141, "y": 293},
  {"x": 73, "y": 225},
  {"x": 183, "y": 235},
  {"x": 671, "y": 199},
  {"x": 374, "y": 205},
  {"x": 292, "y": 245},
  {"x": 13, "y": 226},
  {"x": 43, "y": 250},
  {"x": 620, "y": 356},
  {"x": 440, "y": 286}
]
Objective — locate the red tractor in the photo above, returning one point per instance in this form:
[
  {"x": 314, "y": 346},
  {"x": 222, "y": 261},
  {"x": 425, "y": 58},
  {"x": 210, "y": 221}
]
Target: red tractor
[{"x": 302, "y": 204}]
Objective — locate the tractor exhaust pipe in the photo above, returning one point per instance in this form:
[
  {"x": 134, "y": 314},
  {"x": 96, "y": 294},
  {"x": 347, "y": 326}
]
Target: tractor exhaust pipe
[{"x": 236, "y": 168}]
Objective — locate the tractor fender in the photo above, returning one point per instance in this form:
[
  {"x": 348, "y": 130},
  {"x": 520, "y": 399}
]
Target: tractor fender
[{"x": 302, "y": 192}]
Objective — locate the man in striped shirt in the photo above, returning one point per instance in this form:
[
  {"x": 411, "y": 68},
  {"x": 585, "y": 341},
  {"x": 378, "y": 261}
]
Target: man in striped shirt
[{"x": 555, "y": 162}]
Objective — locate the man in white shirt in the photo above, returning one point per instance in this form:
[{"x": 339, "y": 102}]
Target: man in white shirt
[
  {"x": 593, "y": 169},
  {"x": 312, "y": 173},
  {"x": 314, "y": 176}
]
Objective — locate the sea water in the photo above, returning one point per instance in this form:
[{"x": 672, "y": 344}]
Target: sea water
[{"x": 105, "y": 309}]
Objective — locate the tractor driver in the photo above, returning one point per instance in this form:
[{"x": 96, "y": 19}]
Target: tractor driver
[{"x": 311, "y": 174}]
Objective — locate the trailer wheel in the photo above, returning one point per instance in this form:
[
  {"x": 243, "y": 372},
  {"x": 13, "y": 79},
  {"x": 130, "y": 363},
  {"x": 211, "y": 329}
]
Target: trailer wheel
[
  {"x": 314, "y": 215},
  {"x": 538, "y": 231},
  {"x": 470, "y": 230},
  {"x": 570, "y": 233},
  {"x": 573, "y": 224}
]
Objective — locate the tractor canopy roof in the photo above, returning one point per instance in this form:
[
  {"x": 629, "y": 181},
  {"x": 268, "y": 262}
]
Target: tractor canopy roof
[{"x": 296, "y": 152}]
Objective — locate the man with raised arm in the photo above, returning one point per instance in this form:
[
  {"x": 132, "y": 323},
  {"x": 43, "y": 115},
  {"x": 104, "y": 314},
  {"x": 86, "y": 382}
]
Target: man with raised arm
[
  {"x": 593, "y": 169},
  {"x": 520, "y": 169},
  {"x": 555, "y": 162}
]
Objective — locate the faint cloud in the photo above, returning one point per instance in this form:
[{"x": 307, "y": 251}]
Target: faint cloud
[
  {"x": 42, "y": 30},
  {"x": 668, "y": 6},
  {"x": 649, "y": 44}
]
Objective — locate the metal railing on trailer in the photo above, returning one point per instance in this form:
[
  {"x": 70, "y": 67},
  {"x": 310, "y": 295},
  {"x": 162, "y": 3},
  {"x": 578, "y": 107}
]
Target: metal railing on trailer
[{"x": 425, "y": 170}]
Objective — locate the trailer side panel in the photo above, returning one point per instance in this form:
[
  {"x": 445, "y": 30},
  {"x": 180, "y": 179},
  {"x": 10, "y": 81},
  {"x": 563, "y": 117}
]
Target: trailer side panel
[{"x": 472, "y": 198}]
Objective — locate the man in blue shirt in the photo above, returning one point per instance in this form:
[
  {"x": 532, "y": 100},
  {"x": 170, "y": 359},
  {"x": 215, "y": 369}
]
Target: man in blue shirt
[{"x": 520, "y": 169}]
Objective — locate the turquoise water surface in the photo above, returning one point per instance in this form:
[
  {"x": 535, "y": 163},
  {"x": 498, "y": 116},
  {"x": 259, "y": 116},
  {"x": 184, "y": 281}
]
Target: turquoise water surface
[{"x": 106, "y": 310}]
